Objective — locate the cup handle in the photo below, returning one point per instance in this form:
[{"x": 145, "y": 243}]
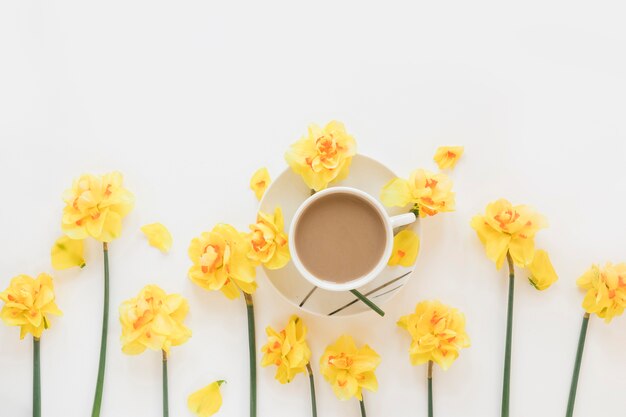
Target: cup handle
[{"x": 402, "y": 220}]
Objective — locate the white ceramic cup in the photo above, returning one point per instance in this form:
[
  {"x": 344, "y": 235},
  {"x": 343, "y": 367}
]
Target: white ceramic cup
[{"x": 390, "y": 223}]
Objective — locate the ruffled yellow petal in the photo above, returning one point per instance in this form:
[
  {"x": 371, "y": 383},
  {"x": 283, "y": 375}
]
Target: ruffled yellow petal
[
  {"x": 405, "y": 248},
  {"x": 206, "y": 401},
  {"x": 447, "y": 156},
  {"x": 67, "y": 253},
  {"x": 259, "y": 182},
  {"x": 396, "y": 193},
  {"x": 158, "y": 236},
  {"x": 542, "y": 274}
]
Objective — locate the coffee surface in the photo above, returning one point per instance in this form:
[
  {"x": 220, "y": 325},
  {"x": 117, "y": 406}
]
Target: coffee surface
[{"x": 340, "y": 237}]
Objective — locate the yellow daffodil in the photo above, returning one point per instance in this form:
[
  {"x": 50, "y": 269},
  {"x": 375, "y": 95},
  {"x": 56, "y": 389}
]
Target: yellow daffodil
[
  {"x": 606, "y": 290},
  {"x": 153, "y": 320},
  {"x": 29, "y": 302},
  {"x": 67, "y": 253},
  {"x": 323, "y": 156},
  {"x": 268, "y": 240},
  {"x": 206, "y": 401},
  {"x": 220, "y": 261},
  {"x": 95, "y": 206},
  {"x": 542, "y": 274},
  {"x": 507, "y": 228},
  {"x": 158, "y": 236},
  {"x": 259, "y": 182},
  {"x": 447, "y": 156},
  {"x": 437, "y": 332},
  {"x": 406, "y": 245},
  {"x": 429, "y": 193},
  {"x": 349, "y": 369},
  {"x": 287, "y": 350}
]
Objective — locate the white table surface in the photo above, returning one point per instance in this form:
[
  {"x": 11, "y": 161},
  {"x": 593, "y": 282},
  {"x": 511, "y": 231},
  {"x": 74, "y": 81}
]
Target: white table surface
[{"x": 188, "y": 98}]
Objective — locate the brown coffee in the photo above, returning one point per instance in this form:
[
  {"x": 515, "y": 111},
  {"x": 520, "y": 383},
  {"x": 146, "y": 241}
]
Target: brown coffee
[{"x": 340, "y": 237}]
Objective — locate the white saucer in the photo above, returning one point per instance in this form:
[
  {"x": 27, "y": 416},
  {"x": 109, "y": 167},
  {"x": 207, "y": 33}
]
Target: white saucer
[{"x": 288, "y": 191}]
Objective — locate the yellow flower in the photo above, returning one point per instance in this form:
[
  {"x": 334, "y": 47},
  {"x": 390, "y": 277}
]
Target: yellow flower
[
  {"x": 287, "y": 350},
  {"x": 153, "y": 320},
  {"x": 260, "y": 181},
  {"x": 323, "y": 156},
  {"x": 348, "y": 369},
  {"x": 542, "y": 274},
  {"x": 67, "y": 253},
  {"x": 158, "y": 236},
  {"x": 507, "y": 228},
  {"x": 406, "y": 245},
  {"x": 95, "y": 206},
  {"x": 429, "y": 193},
  {"x": 29, "y": 302},
  {"x": 220, "y": 261},
  {"x": 437, "y": 332},
  {"x": 606, "y": 290},
  {"x": 447, "y": 156},
  {"x": 206, "y": 401},
  {"x": 268, "y": 241}
]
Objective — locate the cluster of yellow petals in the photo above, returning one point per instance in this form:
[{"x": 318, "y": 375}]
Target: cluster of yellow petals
[
  {"x": 287, "y": 350},
  {"x": 158, "y": 236},
  {"x": 95, "y": 206},
  {"x": 260, "y": 181},
  {"x": 507, "y": 228},
  {"x": 67, "y": 253},
  {"x": 406, "y": 245},
  {"x": 153, "y": 320},
  {"x": 28, "y": 303},
  {"x": 429, "y": 193},
  {"x": 206, "y": 401},
  {"x": 220, "y": 261},
  {"x": 446, "y": 157},
  {"x": 268, "y": 240},
  {"x": 349, "y": 369},
  {"x": 606, "y": 290},
  {"x": 323, "y": 156},
  {"x": 437, "y": 332}
]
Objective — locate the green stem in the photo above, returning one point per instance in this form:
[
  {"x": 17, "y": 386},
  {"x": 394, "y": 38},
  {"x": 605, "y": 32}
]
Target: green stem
[
  {"x": 166, "y": 407},
  {"x": 368, "y": 302},
  {"x": 506, "y": 383},
  {"x": 97, "y": 401},
  {"x": 579, "y": 356},
  {"x": 252, "y": 351},
  {"x": 36, "y": 379},
  {"x": 430, "y": 388},
  {"x": 362, "y": 404},
  {"x": 312, "y": 384}
]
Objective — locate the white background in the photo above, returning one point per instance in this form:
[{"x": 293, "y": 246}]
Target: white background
[{"x": 188, "y": 98}]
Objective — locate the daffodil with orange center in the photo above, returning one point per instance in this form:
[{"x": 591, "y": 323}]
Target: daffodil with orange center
[
  {"x": 268, "y": 240},
  {"x": 349, "y": 369},
  {"x": 289, "y": 352},
  {"x": 505, "y": 228},
  {"x": 154, "y": 320},
  {"x": 437, "y": 333},
  {"x": 220, "y": 261},
  {"x": 322, "y": 156},
  {"x": 29, "y": 303},
  {"x": 447, "y": 156},
  {"x": 605, "y": 297},
  {"x": 508, "y": 232},
  {"x": 427, "y": 192},
  {"x": 95, "y": 207}
]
